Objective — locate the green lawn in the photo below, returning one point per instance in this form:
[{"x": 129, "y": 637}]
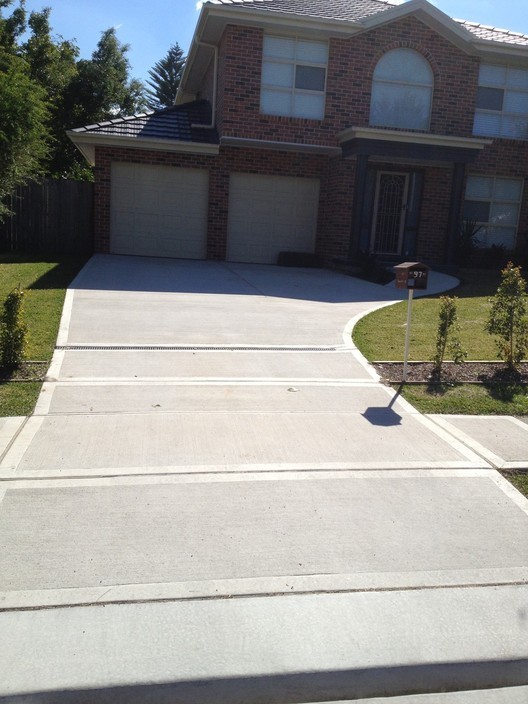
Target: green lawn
[
  {"x": 471, "y": 399},
  {"x": 381, "y": 337},
  {"x": 45, "y": 278},
  {"x": 518, "y": 479}
]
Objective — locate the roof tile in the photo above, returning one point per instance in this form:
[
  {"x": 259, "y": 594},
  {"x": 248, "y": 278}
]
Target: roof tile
[
  {"x": 183, "y": 123},
  {"x": 358, "y": 10}
]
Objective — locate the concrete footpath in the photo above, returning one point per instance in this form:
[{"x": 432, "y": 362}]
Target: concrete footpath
[{"x": 217, "y": 501}]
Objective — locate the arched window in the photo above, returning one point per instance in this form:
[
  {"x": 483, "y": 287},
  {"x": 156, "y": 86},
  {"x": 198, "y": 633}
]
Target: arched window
[{"x": 402, "y": 89}]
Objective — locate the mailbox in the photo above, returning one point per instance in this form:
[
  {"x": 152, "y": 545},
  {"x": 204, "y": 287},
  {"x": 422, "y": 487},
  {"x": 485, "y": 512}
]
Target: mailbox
[{"x": 411, "y": 275}]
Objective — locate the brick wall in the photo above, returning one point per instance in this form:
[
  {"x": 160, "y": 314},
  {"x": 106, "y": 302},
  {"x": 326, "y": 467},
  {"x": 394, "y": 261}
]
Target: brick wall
[
  {"x": 434, "y": 214},
  {"x": 351, "y": 64},
  {"x": 230, "y": 160}
]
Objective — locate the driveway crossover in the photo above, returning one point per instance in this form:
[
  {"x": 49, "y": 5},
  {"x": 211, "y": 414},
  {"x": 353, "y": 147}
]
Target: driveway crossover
[{"x": 207, "y": 431}]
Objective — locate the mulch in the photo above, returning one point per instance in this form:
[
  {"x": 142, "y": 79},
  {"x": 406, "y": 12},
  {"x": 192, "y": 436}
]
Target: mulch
[
  {"x": 27, "y": 371},
  {"x": 465, "y": 373}
]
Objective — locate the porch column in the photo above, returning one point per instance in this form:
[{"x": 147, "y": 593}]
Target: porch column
[
  {"x": 459, "y": 173},
  {"x": 357, "y": 203}
]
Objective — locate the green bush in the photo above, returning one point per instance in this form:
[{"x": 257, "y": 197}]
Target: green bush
[{"x": 13, "y": 330}]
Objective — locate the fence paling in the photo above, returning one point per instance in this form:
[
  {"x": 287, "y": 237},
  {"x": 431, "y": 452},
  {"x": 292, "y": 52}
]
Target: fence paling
[{"x": 52, "y": 216}]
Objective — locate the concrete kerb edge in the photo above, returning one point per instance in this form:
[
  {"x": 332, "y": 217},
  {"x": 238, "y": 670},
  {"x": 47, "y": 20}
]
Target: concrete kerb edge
[
  {"x": 251, "y": 587},
  {"x": 347, "y": 338},
  {"x": 463, "y": 437}
]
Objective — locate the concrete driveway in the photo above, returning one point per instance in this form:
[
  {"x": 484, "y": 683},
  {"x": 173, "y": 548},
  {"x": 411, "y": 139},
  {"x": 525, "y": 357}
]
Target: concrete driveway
[{"x": 216, "y": 500}]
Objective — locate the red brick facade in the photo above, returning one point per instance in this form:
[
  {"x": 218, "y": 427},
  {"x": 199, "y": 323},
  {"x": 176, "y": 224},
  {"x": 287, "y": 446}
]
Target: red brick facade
[
  {"x": 348, "y": 92},
  {"x": 230, "y": 160}
]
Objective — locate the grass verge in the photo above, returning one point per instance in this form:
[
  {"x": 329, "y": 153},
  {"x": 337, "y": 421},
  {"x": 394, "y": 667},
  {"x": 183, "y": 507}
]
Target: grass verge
[
  {"x": 469, "y": 399},
  {"x": 381, "y": 336},
  {"x": 45, "y": 279},
  {"x": 518, "y": 479}
]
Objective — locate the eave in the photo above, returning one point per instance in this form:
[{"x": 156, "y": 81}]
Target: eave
[
  {"x": 418, "y": 146},
  {"x": 86, "y": 143}
]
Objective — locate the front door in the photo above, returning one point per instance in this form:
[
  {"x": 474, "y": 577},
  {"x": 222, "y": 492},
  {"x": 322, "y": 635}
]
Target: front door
[{"x": 390, "y": 206}]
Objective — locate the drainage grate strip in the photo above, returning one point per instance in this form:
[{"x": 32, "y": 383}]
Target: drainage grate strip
[{"x": 187, "y": 348}]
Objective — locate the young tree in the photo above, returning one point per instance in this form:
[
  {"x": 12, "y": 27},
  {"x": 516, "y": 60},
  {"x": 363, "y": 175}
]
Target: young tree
[
  {"x": 13, "y": 330},
  {"x": 165, "y": 78},
  {"x": 507, "y": 319},
  {"x": 448, "y": 335}
]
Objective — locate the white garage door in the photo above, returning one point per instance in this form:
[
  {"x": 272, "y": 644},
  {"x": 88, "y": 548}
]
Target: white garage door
[
  {"x": 270, "y": 214},
  {"x": 159, "y": 211}
]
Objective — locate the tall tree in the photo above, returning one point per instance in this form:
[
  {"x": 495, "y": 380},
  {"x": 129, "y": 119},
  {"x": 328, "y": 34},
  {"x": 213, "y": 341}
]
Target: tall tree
[
  {"x": 165, "y": 78},
  {"x": 23, "y": 111},
  {"x": 53, "y": 65},
  {"x": 102, "y": 88}
]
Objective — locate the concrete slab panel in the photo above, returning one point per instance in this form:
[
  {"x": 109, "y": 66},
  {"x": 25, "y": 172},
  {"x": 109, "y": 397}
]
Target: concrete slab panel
[
  {"x": 378, "y": 438},
  {"x": 87, "y": 536},
  {"x": 240, "y": 365},
  {"x": 109, "y": 317},
  {"x": 9, "y": 427},
  {"x": 500, "y": 439},
  {"x": 313, "y": 647},
  {"x": 165, "y": 397}
]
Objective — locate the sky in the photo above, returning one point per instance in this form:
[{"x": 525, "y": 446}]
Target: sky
[{"x": 151, "y": 26}]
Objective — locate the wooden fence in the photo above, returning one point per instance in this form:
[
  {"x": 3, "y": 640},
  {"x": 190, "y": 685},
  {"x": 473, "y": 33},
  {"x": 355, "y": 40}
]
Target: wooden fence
[{"x": 52, "y": 216}]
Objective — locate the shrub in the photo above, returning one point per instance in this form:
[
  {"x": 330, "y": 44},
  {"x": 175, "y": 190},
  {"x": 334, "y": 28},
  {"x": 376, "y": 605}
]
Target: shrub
[
  {"x": 507, "y": 319},
  {"x": 13, "y": 330},
  {"x": 467, "y": 241},
  {"x": 448, "y": 335}
]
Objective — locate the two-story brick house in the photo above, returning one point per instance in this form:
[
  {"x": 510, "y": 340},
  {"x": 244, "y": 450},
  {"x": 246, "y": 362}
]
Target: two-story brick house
[{"x": 327, "y": 127}]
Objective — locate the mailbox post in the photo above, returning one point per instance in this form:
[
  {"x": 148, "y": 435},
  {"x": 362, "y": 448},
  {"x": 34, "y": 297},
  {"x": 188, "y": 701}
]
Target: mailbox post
[{"x": 411, "y": 276}]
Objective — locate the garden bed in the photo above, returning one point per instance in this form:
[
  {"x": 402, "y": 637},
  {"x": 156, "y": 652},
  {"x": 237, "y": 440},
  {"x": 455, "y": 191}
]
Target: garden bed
[{"x": 465, "y": 373}]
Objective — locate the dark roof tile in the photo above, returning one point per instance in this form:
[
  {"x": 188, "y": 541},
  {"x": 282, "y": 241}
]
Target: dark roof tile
[{"x": 182, "y": 123}]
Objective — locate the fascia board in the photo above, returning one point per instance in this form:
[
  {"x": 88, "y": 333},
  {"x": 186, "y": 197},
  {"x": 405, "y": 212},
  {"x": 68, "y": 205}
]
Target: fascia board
[
  {"x": 192, "y": 53},
  {"x": 254, "y": 17},
  {"x": 87, "y": 142},
  {"x": 497, "y": 50}
]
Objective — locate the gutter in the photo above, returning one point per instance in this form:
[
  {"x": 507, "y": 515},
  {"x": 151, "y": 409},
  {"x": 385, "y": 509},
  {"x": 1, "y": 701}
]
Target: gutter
[{"x": 86, "y": 143}]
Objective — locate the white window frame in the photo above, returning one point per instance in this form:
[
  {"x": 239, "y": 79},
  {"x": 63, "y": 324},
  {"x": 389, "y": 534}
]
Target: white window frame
[
  {"x": 403, "y": 84},
  {"x": 482, "y": 234},
  {"x": 502, "y": 114},
  {"x": 292, "y": 91}
]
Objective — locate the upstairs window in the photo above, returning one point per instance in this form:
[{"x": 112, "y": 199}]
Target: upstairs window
[
  {"x": 402, "y": 90},
  {"x": 494, "y": 203},
  {"x": 293, "y": 77},
  {"x": 502, "y": 102}
]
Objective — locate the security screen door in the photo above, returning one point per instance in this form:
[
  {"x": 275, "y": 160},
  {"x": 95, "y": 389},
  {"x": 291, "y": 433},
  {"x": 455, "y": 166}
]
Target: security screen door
[{"x": 390, "y": 205}]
